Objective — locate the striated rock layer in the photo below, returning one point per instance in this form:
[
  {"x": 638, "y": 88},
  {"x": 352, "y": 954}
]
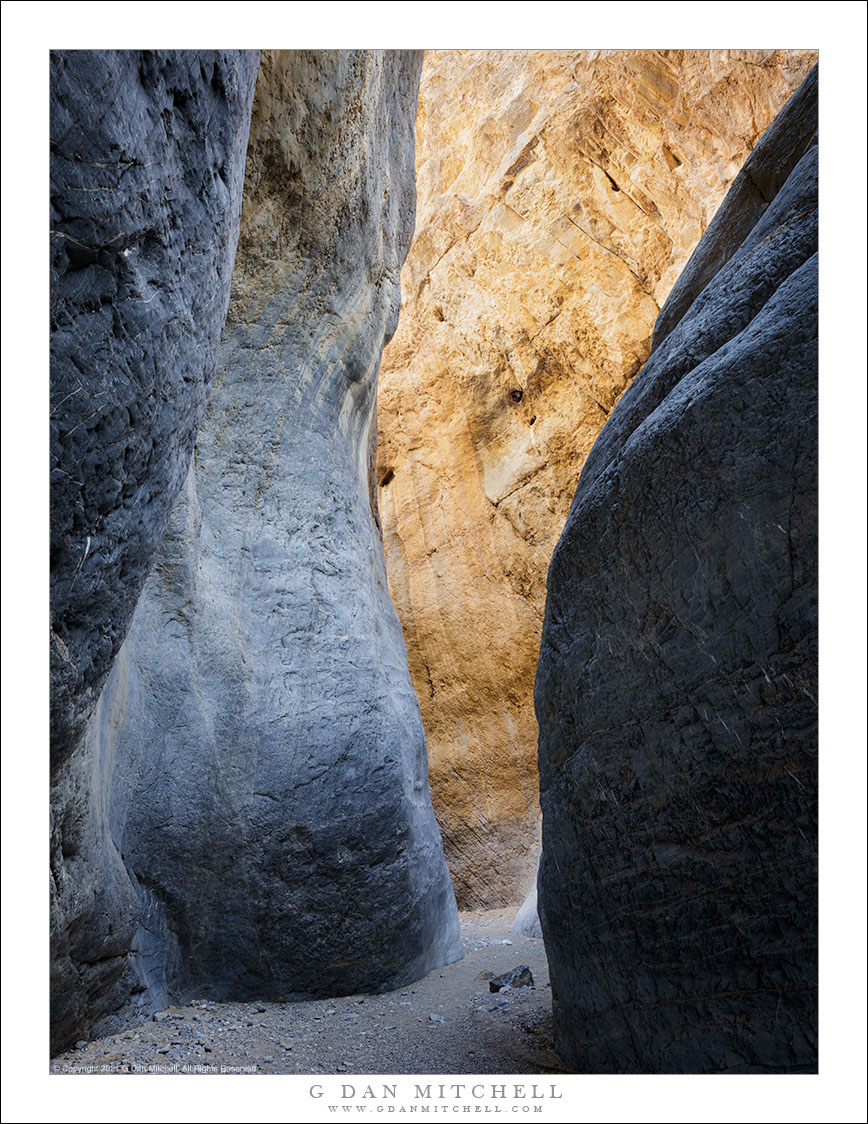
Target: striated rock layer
[
  {"x": 560, "y": 195},
  {"x": 147, "y": 164},
  {"x": 270, "y": 793},
  {"x": 676, "y": 690}
]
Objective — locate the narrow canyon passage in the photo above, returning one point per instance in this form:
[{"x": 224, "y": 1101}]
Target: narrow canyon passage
[
  {"x": 339, "y": 648},
  {"x": 448, "y": 1022}
]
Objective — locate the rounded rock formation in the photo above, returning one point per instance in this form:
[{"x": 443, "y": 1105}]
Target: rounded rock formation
[
  {"x": 677, "y": 682},
  {"x": 269, "y": 784}
]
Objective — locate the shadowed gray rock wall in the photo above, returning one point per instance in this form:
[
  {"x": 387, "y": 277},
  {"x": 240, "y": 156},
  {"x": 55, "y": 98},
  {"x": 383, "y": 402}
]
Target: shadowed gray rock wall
[
  {"x": 270, "y": 793},
  {"x": 676, "y": 688},
  {"x": 147, "y": 165}
]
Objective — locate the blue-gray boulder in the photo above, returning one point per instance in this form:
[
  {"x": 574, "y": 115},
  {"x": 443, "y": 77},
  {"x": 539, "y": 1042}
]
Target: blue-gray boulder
[{"x": 269, "y": 788}]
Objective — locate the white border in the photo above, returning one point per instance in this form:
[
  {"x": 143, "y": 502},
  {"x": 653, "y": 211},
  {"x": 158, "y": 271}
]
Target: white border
[{"x": 838, "y": 30}]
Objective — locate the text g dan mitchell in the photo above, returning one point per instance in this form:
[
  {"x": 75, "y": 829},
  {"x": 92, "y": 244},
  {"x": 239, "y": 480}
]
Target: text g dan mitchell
[{"x": 437, "y": 1092}]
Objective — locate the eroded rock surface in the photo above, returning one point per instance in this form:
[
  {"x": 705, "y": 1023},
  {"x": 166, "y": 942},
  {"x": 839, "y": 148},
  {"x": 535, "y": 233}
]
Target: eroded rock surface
[
  {"x": 560, "y": 195},
  {"x": 147, "y": 166},
  {"x": 270, "y": 794},
  {"x": 676, "y": 690}
]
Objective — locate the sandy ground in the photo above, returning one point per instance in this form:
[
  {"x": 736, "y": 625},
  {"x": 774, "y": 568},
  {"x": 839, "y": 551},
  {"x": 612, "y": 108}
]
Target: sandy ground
[{"x": 448, "y": 1022}]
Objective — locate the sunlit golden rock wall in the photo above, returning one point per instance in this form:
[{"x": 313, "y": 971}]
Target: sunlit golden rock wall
[{"x": 560, "y": 194}]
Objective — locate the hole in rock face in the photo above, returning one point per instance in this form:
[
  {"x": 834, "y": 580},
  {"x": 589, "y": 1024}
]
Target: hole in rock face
[
  {"x": 532, "y": 420},
  {"x": 516, "y": 395},
  {"x": 387, "y": 477},
  {"x": 180, "y": 99},
  {"x": 670, "y": 158}
]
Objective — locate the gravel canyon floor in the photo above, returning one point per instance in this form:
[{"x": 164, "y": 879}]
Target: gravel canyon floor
[{"x": 448, "y": 1022}]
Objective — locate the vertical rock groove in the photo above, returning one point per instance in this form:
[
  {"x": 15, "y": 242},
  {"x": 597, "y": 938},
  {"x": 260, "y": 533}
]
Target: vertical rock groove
[{"x": 247, "y": 812}]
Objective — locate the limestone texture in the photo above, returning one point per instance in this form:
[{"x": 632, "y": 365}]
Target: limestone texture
[
  {"x": 677, "y": 681},
  {"x": 147, "y": 165},
  {"x": 560, "y": 195},
  {"x": 269, "y": 788}
]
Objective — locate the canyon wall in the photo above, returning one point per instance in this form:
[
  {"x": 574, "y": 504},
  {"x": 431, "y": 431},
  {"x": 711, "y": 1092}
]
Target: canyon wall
[
  {"x": 676, "y": 690},
  {"x": 147, "y": 166},
  {"x": 247, "y": 812},
  {"x": 270, "y": 793},
  {"x": 560, "y": 195}
]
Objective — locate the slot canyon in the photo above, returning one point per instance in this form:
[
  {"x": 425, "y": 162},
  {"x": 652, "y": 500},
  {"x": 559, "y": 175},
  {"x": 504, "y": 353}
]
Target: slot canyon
[{"x": 434, "y": 561}]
